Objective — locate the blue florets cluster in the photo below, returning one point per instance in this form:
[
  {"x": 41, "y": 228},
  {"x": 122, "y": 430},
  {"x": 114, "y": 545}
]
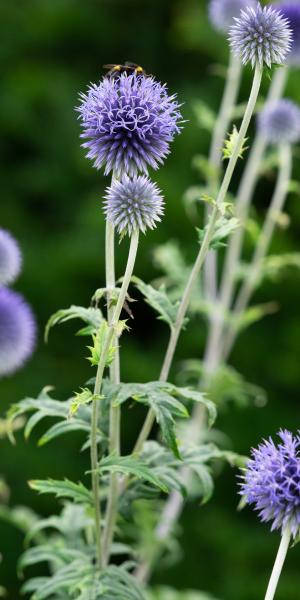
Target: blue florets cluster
[
  {"x": 128, "y": 123},
  {"x": 279, "y": 122},
  {"x": 133, "y": 203},
  {"x": 261, "y": 35},
  {"x": 222, "y": 12},
  {"x": 17, "y": 323},
  {"x": 271, "y": 482},
  {"x": 291, "y": 12}
]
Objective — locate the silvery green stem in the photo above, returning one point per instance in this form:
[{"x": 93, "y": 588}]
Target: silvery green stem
[
  {"x": 262, "y": 246},
  {"x": 215, "y": 156},
  {"x": 232, "y": 256},
  {"x": 280, "y": 558},
  {"x": 97, "y": 389},
  {"x": 203, "y": 250},
  {"x": 114, "y": 411}
]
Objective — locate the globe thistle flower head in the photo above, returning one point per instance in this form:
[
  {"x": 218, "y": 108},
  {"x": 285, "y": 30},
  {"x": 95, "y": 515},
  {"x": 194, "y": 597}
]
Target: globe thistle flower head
[
  {"x": 10, "y": 258},
  {"x": 271, "y": 482},
  {"x": 222, "y": 12},
  {"x": 17, "y": 331},
  {"x": 128, "y": 123},
  {"x": 261, "y": 35},
  {"x": 279, "y": 122},
  {"x": 291, "y": 12},
  {"x": 133, "y": 203}
]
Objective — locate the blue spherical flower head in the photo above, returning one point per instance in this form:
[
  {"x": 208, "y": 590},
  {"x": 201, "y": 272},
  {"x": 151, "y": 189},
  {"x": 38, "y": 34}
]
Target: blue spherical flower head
[
  {"x": 17, "y": 331},
  {"x": 222, "y": 12},
  {"x": 129, "y": 123},
  {"x": 279, "y": 122},
  {"x": 10, "y": 258},
  {"x": 291, "y": 12},
  {"x": 133, "y": 203},
  {"x": 261, "y": 36},
  {"x": 271, "y": 482}
]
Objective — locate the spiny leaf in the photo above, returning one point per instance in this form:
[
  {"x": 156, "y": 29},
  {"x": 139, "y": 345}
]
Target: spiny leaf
[
  {"x": 91, "y": 316},
  {"x": 159, "y": 301},
  {"x": 231, "y": 143},
  {"x": 130, "y": 465},
  {"x": 99, "y": 340},
  {"x": 223, "y": 229},
  {"x": 85, "y": 396},
  {"x": 162, "y": 397},
  {"x": 63, "y": 489}
]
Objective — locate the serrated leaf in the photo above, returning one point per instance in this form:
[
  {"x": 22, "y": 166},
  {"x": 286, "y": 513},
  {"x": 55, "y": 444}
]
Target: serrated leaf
[
  {"x": 92, "y": 316},
  {"x": 43, "y": 407},
  {"x": 162, "y": 397},
  {"x": 223, "y": 229},
  {"x": 63, "y": 489},
  {"x": 99, "y": 340},
  {"x": 85, "y": 396},
  {"x": 231, "y": 143},
  {"x": 159, "y": 301},
  {"x": 130, "y": 465}
]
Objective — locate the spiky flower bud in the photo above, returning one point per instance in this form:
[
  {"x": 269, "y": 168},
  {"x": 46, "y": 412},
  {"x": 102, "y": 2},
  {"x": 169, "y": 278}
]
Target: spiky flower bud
[
  {"x": 10, "y": 258},
  {"x": 279, "y": 122},
  {"x": 17, "y": 331},
  {"x": 261, "y": 35},
  {"x": 222, "y": 12},
  {"x": 271, "y": 482},
  {"x": 132, "y": 204},
  {"x": 291, "y": 12},
  {"x": 128, "y": 122}
]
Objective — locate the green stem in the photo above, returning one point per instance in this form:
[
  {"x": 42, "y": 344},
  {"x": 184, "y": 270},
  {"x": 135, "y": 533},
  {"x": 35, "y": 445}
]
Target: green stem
[
  {"x": 263, "y": 244},
  {"x": 175, "y": 332},
  {"x": 97, "y": 389},
  {"x": 243, "y": 201},
  {"x": 215, "y": 157},
  {"x": 114, "y": 411},
  {"x": 279, "y": 562}
]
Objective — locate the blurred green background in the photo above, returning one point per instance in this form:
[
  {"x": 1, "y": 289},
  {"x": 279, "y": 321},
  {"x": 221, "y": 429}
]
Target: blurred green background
[{"x": 51, "y": 201}]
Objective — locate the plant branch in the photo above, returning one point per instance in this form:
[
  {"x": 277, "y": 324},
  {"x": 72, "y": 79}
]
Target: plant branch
[
  {"x": 97, "y": 389},
  {"x": 280, "y": 558},
  {"x": 175, "y": 332}
]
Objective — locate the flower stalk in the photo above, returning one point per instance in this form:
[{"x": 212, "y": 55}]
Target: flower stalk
[
  {"x": 97, "y": 389},
  {"x": 204, "y": 248},
  {"x": 114, "y": 411},
  {"x": 279, "y": 562}
]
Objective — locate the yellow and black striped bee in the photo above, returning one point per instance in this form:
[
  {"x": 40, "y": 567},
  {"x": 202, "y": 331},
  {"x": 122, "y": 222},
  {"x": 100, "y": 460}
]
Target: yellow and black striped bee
[{"x": 128, "y": 67}]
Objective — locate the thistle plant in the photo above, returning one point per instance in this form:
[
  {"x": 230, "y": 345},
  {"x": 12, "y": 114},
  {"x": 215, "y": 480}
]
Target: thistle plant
[
  {"x": 128, "y": 122},
  {"x": 271, "y": 484}
]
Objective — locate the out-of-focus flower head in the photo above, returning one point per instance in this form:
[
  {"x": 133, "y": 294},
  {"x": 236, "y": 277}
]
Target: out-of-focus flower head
[
  {"x": 128, "y": 123},
  {"x": 261, "y": 35},
  {"x": 17, "y": 331},
  {"x": 10, "y": 258},
  {"x": 133, "y": 203},
  {"x": 222, "y": 12},
  {"x": 271, "y": 482},
  {"x": 291, "y": 12},
  {"x": 279, "y": 122}
]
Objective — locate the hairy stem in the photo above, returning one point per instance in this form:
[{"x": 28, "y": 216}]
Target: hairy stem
[
  {"x": 224, "y": 117},
  {"x": 97, "y": 389},
  {"x": 114, "y": 411},
  {"x": 262, "y": 247},
  {"x": 280, "y": 558},
  {"x": 203, "y": 251}
]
